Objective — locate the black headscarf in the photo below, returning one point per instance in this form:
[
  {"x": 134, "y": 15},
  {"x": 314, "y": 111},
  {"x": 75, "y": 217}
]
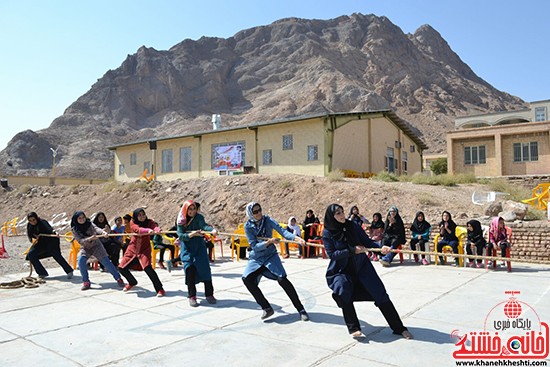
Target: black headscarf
[
  {"x": 477, "y": 232},
  {"x": 451, "y": 222},
  {"x": 340, "y": 231},
  {"x": 98, "y": 223},
  {"x": 311, "y": 220},
  {"x": 135, "y": 216},
  {"x": 378, "y": 223},
  {"x": 420, "y": 227},
  {"x": 81, "y": 229}
]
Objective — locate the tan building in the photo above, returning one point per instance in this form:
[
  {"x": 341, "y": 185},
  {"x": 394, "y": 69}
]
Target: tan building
[
  {"x": 364, "y": 142},
  {"x": 514, "y": 143}
]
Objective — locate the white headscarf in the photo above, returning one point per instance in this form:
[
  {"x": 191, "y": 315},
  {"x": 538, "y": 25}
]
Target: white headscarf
[{"x": 295, "y": 228}]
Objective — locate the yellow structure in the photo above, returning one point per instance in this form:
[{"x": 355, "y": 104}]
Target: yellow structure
[{"x": 370, "y": 141}]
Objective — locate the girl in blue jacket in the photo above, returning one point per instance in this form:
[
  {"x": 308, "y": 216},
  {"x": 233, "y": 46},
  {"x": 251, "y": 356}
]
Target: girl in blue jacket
[{"x": 263, "y": 259}]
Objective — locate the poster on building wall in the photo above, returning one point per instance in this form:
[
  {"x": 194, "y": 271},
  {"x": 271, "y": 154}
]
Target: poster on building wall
[{"x": 228, "y": 157}]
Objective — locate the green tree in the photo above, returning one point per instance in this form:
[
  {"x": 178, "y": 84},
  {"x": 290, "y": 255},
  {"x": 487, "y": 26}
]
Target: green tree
[{"x": 439, "y": 166}]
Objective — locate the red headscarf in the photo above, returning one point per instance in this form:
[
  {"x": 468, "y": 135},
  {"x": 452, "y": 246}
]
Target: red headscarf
[{"x": 182, "y": 216}]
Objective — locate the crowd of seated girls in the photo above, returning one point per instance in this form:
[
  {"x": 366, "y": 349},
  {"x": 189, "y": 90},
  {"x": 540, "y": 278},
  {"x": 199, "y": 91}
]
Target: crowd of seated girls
[{"x": 390, "y": 231}]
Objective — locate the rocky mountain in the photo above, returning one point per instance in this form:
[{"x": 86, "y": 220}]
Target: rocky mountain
[{"x": 288, "y": 68}]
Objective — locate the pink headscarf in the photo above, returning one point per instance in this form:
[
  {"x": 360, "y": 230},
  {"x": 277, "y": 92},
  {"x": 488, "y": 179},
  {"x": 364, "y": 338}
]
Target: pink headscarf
[
  {"x": 494, "y": 230},
  {"x": 182, "y": 215}
]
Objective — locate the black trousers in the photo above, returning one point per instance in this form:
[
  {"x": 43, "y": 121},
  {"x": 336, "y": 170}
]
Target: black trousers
[
  {"x": 35, "y": 254},
  {"x": 421, "y": 243},
  {"x": 388, "y": 311},
  {"x": 252, "y": 286},
  {"x": 479, "y": 245},
  {"x": 503, "y": 246},
  {"x": 151, "y": 273},
  {"x": 163, "y": 248},
  {"x": 190, "y": 280}
]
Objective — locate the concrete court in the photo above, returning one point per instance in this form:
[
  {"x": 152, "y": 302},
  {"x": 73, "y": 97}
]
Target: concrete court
[{"x": 59, "y": 325}]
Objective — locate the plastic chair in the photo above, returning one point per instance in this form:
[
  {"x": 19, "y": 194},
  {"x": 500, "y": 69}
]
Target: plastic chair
[
  {"x": 460, "y": 233},
  {"x": 238, "y": 241},
  {"x": 315, "y": 236},
  {"x": 10, "y": 227},
  {"x": 154, "y": 253},
  {"x": 172, "y": 240},
  {"x": 495, "y": 252},
  {"x": 75, "y": 248}
]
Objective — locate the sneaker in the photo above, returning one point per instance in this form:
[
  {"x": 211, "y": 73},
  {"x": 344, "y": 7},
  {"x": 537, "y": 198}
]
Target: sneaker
[
  {"x": 472, "y": 264},
  {"x": 161, "y": 293},
  {"x": 425, "y": 262},
  {"x": 286, "y": 256},
  {"x": 211, "y": 299},
  {"x": 161, "y": 264},
  {"x": 304, "y": 316},
  {"x": 267, "y": 313},
  {"x": 120, "y": 283},
  {"x": 384, "y": 263},
  {"x": 193, "y": 302},
  {"x": 42, "y": 276},
  {"x": 415, "y": 258},
  {"x": 85, "y": 286},
  {"x": 479, "y": 265},
  {"x": 70, "y": 275},
  {"x": 127, "y": 287},
  {"x": 169, "y": 266},
  {"x": 407, "y": 334}
]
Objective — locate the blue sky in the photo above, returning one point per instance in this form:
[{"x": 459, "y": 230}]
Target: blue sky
[{"x": 54, "y": 51}]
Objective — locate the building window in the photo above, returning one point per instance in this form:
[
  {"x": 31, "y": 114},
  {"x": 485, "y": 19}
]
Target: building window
[
  {"x": 228, "y": 155},
  {"x": 312, "y": 153},
  {"x": 526, "y": 152},
  {"x": 288, "y": 142},
  {"x": 540, "y": 114},
  {"x": 121, "y": 169},
  {"x": 133, "y": 159},
  {"x": 185, "y": 159},
  {"x": 390, "y": 163},
  {"x": 475, "y": 155},
  {"x": 147, "y": 166},
  {"x": 166, "y": 161},
  {"x": 267, "y": 157},
  {"x": 413, "y": 149},
  {"x": 404, "y": 159}
]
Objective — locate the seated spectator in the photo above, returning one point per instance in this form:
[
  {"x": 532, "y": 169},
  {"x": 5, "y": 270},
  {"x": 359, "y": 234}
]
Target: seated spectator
[
  {"x": 447, "y": 236},
  {"x": 295, "y": 229},
  {"x": 475, "y": 239},
  {"x": 394, "y": 234},
  {"x": 420, "y": 233},
  {"x": 356, "y": 217},
  {"x": 308, "y": 222},
  {"x": 498, "y": 236}
]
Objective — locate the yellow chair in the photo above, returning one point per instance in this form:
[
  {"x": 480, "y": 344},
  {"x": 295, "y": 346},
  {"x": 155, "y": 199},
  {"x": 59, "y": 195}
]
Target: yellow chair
[
  {"x": 242, "y": 242},
  {"x": 10, "y": 227},
  {"x": 75, "y": 248},
  {"x": 154, "y": 252},
  {"x": 460, "y": 233},
  {"x": 172, "y": 240}
]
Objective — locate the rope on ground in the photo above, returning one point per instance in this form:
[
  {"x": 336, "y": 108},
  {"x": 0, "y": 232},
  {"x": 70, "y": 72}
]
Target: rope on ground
[{"x": 27, "y": 282}]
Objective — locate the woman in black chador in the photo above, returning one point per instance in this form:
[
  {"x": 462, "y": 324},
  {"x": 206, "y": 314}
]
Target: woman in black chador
[{"x": 350, "y": 273}]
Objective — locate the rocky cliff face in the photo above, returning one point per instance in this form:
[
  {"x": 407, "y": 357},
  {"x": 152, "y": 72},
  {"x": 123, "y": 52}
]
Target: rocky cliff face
[{"x": 289, "y": 68}]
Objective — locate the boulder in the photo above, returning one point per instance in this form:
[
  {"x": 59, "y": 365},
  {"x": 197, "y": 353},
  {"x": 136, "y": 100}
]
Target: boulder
[
  {"x": 492, "y": 209},
  {"x": 519, "y": 209}
]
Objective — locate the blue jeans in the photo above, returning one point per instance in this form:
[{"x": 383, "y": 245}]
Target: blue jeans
[{"x": 82, "y": 265}]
